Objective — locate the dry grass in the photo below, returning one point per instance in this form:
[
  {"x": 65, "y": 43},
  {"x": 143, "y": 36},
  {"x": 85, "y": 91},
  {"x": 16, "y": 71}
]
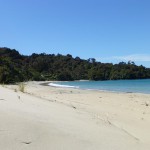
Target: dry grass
[
  {"x": 3, "y": 84},
  {"x": 21, "y": 87}
]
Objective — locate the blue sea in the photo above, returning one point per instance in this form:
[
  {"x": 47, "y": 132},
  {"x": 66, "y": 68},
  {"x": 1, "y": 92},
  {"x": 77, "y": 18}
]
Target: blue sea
[{"x": 127, "y": 86}]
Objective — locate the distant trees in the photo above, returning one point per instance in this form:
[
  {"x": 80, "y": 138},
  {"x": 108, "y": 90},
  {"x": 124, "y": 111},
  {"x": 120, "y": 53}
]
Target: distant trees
[{"x": 15, "y": 68}]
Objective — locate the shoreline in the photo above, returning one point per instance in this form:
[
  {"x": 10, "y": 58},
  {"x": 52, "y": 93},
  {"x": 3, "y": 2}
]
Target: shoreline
[
  {"x": 46, "y": 116},
  {"x": 106, "y": 91}
]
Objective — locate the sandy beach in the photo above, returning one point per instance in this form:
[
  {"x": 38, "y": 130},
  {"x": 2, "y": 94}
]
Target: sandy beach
[{"x": 50, "y": 118}]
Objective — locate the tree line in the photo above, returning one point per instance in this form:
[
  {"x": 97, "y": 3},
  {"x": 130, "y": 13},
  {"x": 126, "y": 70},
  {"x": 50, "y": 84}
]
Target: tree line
[{"x": 15, "y": 67}]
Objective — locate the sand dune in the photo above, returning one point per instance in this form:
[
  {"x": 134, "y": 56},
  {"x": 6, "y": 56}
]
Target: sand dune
[{"x": 49, "y": 118}]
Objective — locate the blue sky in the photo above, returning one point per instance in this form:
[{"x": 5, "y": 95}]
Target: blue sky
[{"x": 108, "y": 30}]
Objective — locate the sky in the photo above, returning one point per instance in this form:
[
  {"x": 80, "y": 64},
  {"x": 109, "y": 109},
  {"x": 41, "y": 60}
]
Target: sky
[{"x": 108, "y": 30}]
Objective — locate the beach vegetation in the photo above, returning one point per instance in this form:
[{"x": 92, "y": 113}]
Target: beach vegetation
[
  {"x": 21, "y": 87},
  {"x": 15, "y": 67}
]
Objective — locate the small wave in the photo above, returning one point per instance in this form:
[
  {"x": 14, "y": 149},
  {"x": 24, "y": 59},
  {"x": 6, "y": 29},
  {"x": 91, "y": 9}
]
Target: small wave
[{"x": 59, "y": 85}]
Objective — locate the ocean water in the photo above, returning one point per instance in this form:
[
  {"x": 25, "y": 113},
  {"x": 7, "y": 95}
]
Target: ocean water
[{"x": 133, "y": 86}]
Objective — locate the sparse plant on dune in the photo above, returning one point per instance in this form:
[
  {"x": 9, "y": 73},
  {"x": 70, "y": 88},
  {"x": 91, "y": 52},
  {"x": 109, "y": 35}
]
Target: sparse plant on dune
[{"x": 21, "y": 87}]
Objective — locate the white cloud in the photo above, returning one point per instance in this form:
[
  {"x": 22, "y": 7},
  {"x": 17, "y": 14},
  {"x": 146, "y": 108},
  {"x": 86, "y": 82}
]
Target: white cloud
[{"x": 134, "y": 57}]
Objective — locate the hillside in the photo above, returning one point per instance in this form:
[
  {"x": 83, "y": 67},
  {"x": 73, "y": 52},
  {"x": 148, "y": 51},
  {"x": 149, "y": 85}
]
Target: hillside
[{"x": 15, "y": 67}]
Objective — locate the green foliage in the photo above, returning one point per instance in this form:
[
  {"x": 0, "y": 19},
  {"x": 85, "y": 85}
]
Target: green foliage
[{"x": 39, "y": 67}]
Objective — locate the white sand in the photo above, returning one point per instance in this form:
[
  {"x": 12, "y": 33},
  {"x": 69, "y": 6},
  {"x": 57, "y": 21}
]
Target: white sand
[{"x": 48, "y": 118}]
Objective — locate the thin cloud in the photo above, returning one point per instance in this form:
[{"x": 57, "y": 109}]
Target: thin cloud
[{"x": 134, "y": 57}]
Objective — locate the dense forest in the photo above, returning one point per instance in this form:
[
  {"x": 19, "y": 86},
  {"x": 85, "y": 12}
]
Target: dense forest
[{"x": 15, "y": 67}]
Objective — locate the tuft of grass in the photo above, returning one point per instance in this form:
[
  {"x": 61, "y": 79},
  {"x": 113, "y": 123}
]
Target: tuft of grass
[
  {"x": 21, "y": 87},
  {"x": 3, "y": 84}
]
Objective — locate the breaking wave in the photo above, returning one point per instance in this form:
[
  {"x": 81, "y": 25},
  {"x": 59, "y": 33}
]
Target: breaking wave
[{"x": 61, "y": 85}]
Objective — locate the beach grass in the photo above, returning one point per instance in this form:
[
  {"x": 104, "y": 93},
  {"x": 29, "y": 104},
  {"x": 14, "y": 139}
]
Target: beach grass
[{"x": 21, "y": 87}]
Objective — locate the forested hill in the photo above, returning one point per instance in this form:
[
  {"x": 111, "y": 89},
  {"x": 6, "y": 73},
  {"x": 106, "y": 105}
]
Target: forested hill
[{"x": 15, "y": 68}]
